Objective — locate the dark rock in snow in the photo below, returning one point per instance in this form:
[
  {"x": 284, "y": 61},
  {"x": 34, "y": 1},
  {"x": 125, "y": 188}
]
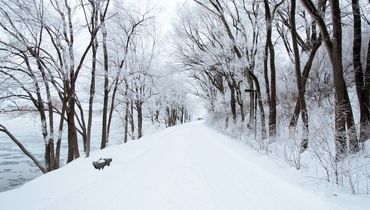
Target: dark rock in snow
[{"x": 101, "y": 163}]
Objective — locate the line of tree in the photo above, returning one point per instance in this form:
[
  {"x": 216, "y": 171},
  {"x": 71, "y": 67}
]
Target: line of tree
[{"x": 229, "y": 47}]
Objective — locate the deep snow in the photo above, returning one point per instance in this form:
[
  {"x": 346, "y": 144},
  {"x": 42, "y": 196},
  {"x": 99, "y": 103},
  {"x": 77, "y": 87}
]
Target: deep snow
[{"x": 185, "y": 167}]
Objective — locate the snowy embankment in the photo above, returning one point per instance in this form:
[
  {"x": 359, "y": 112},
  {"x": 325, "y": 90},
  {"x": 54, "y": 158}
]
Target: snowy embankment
[
  {"x": 17, "y": 169},
  {"x": 185, "y": 167}
]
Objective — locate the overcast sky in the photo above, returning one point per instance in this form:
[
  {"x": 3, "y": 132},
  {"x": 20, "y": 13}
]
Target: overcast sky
[
  {"x": 168, "y": 14},
  {"x": 168, "y": 9}
]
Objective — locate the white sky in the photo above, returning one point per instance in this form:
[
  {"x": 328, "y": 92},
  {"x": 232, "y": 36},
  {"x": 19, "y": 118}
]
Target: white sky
[
  {"x": 165, "y": 19},
  {"x": 168, "y": 10}
]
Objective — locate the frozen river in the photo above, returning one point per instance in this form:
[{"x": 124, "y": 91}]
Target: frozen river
[{"x": 15, "y": 167}]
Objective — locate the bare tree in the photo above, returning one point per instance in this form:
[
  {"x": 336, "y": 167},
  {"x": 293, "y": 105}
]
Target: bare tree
[
  {"x": 129, "y": 24},
  {"x": 141, "y": 83},
  {"x": 106, "y": 79},
  {"x": 270, "y": 53},
  {"x": 93, "y": 27},
  {"x": 27, "y": 62},
  {"x": 300, "y": 85},
  {"x": 362, "y": 78},
  {"x": 344, "y": 122},
  {"x": 216, "y": 9}
]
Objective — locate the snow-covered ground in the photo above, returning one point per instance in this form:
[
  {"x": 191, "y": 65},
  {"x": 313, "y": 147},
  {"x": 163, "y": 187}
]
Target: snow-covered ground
[
  {"x": 17, "y": 169},
  {"x": 185, "y": 167}
]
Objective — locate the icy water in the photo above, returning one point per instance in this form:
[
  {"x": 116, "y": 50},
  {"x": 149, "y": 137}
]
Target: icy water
[{"x": 15, "y": 167}]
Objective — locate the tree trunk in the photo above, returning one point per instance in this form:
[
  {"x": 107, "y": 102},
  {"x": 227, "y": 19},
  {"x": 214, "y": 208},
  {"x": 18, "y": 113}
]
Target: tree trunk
[
  {"x": 365, "y": 120},
  {"x": 306, "y": 73},
  {"x": 112, "y": 106},
  {"x": 127, "y": 113},
  {"x": 139, "y": 109},
  {"x": 60, "y": 134},
  {"x": 357, "y": 37},
  {"x": 106, "y": 89},
  {"x": 272, "y": 107},
  {"x": 260, "y": 106},
  {"x": 239, "y": 99},
  {"x": 94, "y": 46},
  {"x": 343, "y": 107},
  {"x": 132, "y": 120},
  {"x": 265, "y": 72},
  {"x": 272, "y": 100},
  {"x": 91, "y": 98},
  {"x": 73, "y": 151},
  {"x": 251, "y": 102},
  {"x": 125, "y": 137},
  {"x": 362, "y": 90},
  {"x": 300, "y": 85},
  {"x": 232, "y": 100},
  {"x": 81, "y": 122}
]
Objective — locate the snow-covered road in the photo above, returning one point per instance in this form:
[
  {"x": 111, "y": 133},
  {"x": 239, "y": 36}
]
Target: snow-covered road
[{"x": 187, "y": 167}]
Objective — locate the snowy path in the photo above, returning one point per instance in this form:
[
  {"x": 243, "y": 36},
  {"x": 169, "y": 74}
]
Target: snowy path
[{"x": 188, "y": 167}]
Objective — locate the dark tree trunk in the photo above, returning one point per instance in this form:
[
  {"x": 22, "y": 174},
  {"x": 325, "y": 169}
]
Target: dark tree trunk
[
  {"x": 272, "y": 100},
  {"x": 365, "y": 125},
  {"x": 127, "y": 113},
  {"x": 112, "y": 106},
  {"x": 232, "y": 100},
  {"x": 125, "y": 137},
  {"x": 357, "y": 37},
  {"x": 91, "y": 98},
  {"x": 60, "y": 134},
  {"x": 260, "y": 106},
  {"x": 300, "y": 85},
  {"x": 51, "y": 155},
  {"x": 106, "y": 89},
  {"x": 94, "y": 48},
  {"x": 81, "y": 122},
  {"x": 362, "y": 90},
  {"x": 306, "y": 73},
  {"x": 50, "y": 152},
  {"x": 182, "y": 120},
  {"x": 91, "y": 102},
  {"x": 343, "y": 107},
  {"x": 272, "y": 107},
  {"x": 167, "y": 119},
  {"x": 265, "y": 72},
  {"x": 73, "y": 151},
  {"x": 132, "y": 120},
  {"x": 344, "y": 122},
  {"x": 239, "y": 99},
  {"x": 139, "y": 110},
  {"x": 251, "y": 102}
]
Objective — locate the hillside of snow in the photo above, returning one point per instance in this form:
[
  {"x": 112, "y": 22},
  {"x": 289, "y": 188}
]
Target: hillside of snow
[{"x": 186, "y": 167}]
